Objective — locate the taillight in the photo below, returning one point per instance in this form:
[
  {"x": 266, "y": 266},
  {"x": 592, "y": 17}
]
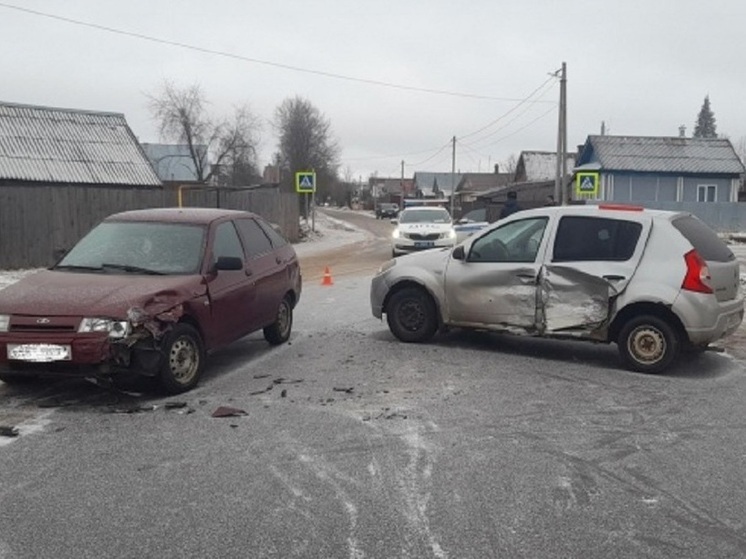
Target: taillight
[{"x": 697, "y": 276}]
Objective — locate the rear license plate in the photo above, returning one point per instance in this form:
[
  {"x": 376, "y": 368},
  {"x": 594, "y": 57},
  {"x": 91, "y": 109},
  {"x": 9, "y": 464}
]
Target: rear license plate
[
  {"x": 424, "y": 244},
  {"x": 39, "y": 353}
]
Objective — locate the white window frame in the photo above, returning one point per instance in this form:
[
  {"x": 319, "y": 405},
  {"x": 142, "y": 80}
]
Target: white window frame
[{"x": 703, "y": 191}]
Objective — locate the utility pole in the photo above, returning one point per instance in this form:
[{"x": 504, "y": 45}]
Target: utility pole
[
  {"x": 560, "y": 178},
  {"x": 453, "y": 175}
]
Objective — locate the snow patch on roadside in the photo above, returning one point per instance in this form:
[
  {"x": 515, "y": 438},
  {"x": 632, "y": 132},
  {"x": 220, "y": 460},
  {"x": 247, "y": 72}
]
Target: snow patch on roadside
[{"x": 327, "y": 233}]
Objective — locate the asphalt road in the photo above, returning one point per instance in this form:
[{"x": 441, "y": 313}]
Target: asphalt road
[{"x": 355, "y": 445}]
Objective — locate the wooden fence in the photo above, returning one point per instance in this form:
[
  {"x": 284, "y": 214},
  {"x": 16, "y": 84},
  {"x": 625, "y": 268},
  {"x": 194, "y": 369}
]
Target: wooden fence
[{"x": 39, "y": 222}]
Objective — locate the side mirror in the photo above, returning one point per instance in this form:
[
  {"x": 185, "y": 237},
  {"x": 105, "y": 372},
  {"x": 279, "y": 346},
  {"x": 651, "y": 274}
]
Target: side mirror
[
  {"x": 459, "y": 253},
  {"x": 229, "y": 263}
]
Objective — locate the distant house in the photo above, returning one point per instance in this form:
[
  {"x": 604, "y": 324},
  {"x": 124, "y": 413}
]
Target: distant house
[
  {"x": 390, "y": 189},
  {"x": 52, "y": 146},
  {"x": 172, "y": 162},
  {"x": 435, "y": 185},
  {"x": 473, "y": 184},
  {"x": 661, "y": 169},
  {"x": 537, "y": 166}
]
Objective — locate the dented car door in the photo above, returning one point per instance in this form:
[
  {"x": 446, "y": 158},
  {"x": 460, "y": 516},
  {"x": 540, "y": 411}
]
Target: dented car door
[
  {"x": 592, "y": 259},
  {"x": 495, "y": 286}
]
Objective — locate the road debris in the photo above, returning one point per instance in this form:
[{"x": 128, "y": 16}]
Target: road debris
[
  {"x": 9, "y": 431},
  {"x": 135, "y": 409},
  {"x": 174, "y": 405},
  {"x": 228, "y": 411},
  {"x": 347, "y": 390},
  {"x": 286, "y": 381}
]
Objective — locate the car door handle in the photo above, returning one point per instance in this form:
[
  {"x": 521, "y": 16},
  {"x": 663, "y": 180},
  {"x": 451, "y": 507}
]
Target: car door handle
[
  {"x": 528, "y": 277},
  {"x": 612, "y": 277}
]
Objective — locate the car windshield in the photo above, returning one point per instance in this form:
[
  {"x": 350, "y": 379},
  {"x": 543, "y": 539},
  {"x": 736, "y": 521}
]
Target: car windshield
[
  {"x": 425, "y": 216},
  {"x": 479, "y": 214},
  {"x": 138, "y": 247}
]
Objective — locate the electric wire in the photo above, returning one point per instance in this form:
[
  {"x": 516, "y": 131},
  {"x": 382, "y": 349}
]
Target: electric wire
[{"x": 234, "y": 56}]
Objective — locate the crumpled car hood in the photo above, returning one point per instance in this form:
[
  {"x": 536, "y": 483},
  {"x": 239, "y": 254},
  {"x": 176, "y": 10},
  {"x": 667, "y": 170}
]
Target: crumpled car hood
[
  {"x": 431, "y": 261},
  {"x": 53, "y": 293}
]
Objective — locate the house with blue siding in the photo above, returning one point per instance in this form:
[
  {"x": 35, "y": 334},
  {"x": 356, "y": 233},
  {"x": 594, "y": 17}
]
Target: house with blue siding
[{"x": 659, "y": 170}]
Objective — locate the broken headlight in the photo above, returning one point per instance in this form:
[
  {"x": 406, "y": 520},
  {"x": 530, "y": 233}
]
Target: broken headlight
[{"x": 116, "y": 329}]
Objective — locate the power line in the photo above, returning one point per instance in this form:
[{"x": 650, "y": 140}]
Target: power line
[
  {"x": 254, "y": 60},
  {"x": 502, "y": 116}
]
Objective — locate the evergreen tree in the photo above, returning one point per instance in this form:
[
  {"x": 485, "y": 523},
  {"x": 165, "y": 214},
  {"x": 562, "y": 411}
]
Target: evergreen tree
[{"x": 705, "y": 126}]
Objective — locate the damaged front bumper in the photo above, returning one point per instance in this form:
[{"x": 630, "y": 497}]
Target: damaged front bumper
[{"x": 135, "y": 350}]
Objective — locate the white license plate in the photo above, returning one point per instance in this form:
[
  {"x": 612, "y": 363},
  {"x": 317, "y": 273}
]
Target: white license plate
[{"x": 39, "y": 353}]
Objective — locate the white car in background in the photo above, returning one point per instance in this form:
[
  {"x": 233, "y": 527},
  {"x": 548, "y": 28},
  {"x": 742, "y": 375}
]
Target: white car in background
[
  {"x": 421, "y": 228},
  {"x": 470, "y": 223}
]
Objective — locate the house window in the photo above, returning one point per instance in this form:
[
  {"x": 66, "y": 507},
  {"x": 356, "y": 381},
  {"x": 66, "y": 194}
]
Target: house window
[{"x": 706, "y": 192}]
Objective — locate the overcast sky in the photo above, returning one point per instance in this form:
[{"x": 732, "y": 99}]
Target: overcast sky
[{"x": 477, "y": 70}]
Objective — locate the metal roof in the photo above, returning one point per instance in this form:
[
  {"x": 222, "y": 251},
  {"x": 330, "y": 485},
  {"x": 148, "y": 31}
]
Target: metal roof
[
  {"x": 662, "y": 155},
  {"x": 541, "y": 165},
  {"x": 52, "y": 145}
]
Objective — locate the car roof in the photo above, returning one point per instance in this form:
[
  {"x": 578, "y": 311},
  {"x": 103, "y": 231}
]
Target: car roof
[
  {"x": 200, "y": 216},
  {"x": 611, "y": 210}
]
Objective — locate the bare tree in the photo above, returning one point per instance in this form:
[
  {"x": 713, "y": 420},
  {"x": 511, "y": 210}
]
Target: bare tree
[
  {"x": 306, "y": 143},
  {"x": 217, "y": 148},
  {"x": 510, "y": 165}
]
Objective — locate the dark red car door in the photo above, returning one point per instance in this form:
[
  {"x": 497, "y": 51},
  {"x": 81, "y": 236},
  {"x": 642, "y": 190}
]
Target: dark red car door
[
  {"x": 232, "y": 293},
  {"x": 266, "y": 268}
]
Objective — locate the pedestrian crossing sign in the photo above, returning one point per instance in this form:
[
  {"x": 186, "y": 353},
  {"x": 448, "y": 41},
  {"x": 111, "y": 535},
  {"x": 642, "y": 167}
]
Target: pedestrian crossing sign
[
  {"x": 586, "y": 183},
  {"x": 305, "y": 182}
]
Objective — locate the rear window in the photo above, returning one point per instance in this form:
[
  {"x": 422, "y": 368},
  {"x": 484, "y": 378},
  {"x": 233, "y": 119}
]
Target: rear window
[
  {"x": 594, "y": 238},
  {"x": 704, "y": 240}
]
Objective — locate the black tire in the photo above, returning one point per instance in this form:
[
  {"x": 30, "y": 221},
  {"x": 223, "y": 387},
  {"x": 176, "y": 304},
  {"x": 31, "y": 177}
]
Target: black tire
[
  {"x": 279, "y": 331},
  {"x": 648, "y": 344},
  {"x": 411, "y": 315},
  {"x": 183, "y": 359}
]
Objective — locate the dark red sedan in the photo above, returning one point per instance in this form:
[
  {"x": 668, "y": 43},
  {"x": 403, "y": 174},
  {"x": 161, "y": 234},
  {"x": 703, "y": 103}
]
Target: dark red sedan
[{"x": 151, "y": 292}]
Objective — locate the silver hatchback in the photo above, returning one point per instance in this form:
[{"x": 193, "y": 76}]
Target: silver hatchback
[{"x": 653, "y": 282}]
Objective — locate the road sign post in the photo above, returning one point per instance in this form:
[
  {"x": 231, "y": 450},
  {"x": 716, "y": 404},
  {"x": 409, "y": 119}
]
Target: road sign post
[
  {"x": 586, "y": 184},
  {"x": 305, "y": 183}
]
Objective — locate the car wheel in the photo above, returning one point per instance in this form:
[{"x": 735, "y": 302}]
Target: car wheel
[
  {"x": 411, "y": 315},
  {"x": 648, "y": 344},
  {"x": 183, "y": 359},
  {"x": 279, "y": 331}
]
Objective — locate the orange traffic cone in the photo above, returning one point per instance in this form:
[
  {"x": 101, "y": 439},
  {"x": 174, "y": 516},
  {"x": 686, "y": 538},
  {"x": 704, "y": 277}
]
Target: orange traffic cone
[{"x": 327, "y": 277}]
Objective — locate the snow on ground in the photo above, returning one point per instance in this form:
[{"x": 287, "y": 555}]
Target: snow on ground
[{"x": 327, "y": 233}]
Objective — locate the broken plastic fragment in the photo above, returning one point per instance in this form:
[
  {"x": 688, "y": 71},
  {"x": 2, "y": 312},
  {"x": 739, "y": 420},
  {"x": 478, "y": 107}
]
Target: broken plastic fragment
[{"x": 228, "y": 411}]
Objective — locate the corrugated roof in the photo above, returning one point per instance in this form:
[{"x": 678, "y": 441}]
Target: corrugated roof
[
  {"x": 662, "y": 154},
  {"x": 481, "y": 182},
  {"x": 52, "y": 145},
  {"x": 541, "y": 165}
]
